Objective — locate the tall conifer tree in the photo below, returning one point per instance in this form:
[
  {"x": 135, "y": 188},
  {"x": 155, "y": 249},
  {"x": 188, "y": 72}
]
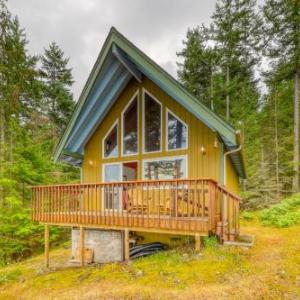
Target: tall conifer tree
[
  {"x": 58, "y": 81},
  {"x": 199, "y": 64},
  {"x": 235, "y": 31},
  {"x": 282, "y": 31}
]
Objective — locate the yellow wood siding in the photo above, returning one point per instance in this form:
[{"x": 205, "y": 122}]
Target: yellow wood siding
[
  {"x": 232, "y": 180},
  {"x": 199, "y": 165}
]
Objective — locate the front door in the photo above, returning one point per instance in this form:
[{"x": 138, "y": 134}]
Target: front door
[
  {"x": 116, "y": 197},
  {"x": 112, "y": 194}
]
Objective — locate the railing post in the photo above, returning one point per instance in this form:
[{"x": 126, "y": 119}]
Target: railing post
[
  {"x": 126, "y": 244},
  {"x": 81, "y": 248},
  {"x": 46, "y": 242},
  {"x": 197, "y": 242},
  {"x": 212, "y": 205}
]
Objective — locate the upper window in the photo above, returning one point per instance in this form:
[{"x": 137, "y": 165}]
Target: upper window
[
  {"x": 130, "y": 128},
  {"x": 165, "y": 168},
  {"x": 110, "y": 143},
  {"x": 152, "y": 124},
  {"x": 177, "y": 133}
]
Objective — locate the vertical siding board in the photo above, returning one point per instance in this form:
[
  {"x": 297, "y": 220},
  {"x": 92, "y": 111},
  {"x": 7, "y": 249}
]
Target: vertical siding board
[{"x": 199, "y": 165}]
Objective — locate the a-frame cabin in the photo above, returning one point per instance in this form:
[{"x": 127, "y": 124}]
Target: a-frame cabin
[{"x": 154, "y": 160}]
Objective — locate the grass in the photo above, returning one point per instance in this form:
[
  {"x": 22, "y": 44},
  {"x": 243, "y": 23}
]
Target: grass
[{"x": 270, "y": 270}]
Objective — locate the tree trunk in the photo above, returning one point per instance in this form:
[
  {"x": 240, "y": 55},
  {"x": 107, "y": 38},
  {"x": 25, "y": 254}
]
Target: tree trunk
[
  {"x": 2, "y": 145},
  {"x": 276, "y": 145},
  {"x": 227, "y": 95},
  {"x": 296, "y": 134},
  {"x": 211, "y": 92}
]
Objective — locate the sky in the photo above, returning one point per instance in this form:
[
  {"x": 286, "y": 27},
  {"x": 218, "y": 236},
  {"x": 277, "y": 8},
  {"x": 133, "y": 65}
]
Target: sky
[{"x": 80, "y": 27}]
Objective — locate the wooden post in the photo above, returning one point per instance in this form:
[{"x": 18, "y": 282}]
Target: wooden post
[
  {"x": 46, "y": 237},
  {"x": 197, "y": 242},
  {"x": 126, "y": 244},
  {"x": 212, "y": 204},
  {"x": 81, "y": 245}
]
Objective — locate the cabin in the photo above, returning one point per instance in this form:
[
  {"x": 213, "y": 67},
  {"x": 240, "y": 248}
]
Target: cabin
[{"x": 156, "y": 163}]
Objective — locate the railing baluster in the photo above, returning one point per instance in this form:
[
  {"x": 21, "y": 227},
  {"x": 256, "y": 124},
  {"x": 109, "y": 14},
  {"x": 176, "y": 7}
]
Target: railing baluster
[{"x": 178, "y": 204}]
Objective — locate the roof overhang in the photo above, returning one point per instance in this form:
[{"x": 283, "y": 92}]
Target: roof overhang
[{"x": 118, "y": 62}]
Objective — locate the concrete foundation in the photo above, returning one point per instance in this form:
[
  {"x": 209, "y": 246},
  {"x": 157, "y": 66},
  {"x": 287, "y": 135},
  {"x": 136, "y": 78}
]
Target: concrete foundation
[{"x": 107, "y": 245}]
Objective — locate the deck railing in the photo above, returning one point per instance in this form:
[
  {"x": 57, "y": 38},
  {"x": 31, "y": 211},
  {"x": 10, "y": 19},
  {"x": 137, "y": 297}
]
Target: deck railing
[{"x": 183, "y": 205}]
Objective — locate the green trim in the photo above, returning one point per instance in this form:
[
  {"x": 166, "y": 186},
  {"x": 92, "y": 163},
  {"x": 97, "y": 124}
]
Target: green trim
[
  {"x": 87, "y": 87},
  {"x": 73, "y": 154},
  {"x": 140, "y": 58},
  {"x": 216, "y": 123}
]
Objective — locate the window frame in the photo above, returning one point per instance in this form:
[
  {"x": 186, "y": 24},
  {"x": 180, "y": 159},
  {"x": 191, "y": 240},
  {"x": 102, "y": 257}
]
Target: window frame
[
  {"x": 143, "y": 122},
  {"x": 164, "y": 158},
  {"x": 167, "y": 131},
  {"x": 106, "y": 135},
  {"x": 120, "y": 163},
  {"x": 135, "y": 95}
]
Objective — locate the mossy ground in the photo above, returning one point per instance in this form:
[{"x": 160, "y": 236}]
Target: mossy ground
[{"x": 270, "y": 270}]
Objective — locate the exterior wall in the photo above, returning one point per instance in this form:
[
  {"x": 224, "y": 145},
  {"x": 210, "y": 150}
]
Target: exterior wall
[
  {"x": 106, "y": 244},
  {"x": 199, "y": 165},
  {"x": 232, "y": 179}
]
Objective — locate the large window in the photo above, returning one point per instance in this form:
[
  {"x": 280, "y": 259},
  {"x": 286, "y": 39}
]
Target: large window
[
  {"x": 165, "y": 168},
  {"x": 152, "y": 124},
  {"x": 177, "y": 133},
  {"x": 130, "y": 128},
  {"x": 110, "y": 142}
]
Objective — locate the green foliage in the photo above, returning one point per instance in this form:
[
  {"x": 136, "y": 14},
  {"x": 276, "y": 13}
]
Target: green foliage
[
  {"x": 247, "y": 215},
  {"x": 211, "y": 242},
  {"x": 220, "y": 65},
  {"x": 27, "y": 137},
  {"x": 19, "y": 236},
  {"x": 198, "y": 67},
  {"x": 57, "y": 78},
  {"x": 284, "y": 214}
]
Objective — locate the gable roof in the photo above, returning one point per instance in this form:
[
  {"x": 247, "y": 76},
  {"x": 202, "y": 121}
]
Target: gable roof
[{"x": 119, "y": 60}]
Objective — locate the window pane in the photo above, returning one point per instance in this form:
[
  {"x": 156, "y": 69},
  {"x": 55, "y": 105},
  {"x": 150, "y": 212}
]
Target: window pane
[
  {"x": 130, "y": 129},
  {"x": 111, "y": 143},
  {"x": 177, "y": 133},
  {"x": 152, "y": 115},
  {"x": 112, "y": 195},
  {"x": 112, "y": 173},
  {"x": 165, "y": 169}
]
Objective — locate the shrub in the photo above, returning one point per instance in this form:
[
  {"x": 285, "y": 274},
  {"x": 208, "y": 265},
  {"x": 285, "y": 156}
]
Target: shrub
[
  {"x": 19, "y": 236},
  {"x": 284, "y": 214},
  {"x": 247, "y": 215}
]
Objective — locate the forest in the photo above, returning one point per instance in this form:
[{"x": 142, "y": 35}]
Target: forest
[{"x": 245, "y": 66}]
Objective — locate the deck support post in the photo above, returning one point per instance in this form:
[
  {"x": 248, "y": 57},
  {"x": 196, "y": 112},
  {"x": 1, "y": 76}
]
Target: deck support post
[
  {"x": 126, "y": 244},
  {"x": 46, "y": 237},
  {"x": 197, "y": 242},
  {"x": 81, "y": 245}
]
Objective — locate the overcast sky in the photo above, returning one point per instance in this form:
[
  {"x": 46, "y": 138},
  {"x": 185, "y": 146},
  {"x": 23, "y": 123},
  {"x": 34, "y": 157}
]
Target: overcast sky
[{"x": 80, "y": 27}]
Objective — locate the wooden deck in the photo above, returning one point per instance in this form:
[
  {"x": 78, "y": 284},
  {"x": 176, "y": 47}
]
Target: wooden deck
[{"x": 189, "y": 206}]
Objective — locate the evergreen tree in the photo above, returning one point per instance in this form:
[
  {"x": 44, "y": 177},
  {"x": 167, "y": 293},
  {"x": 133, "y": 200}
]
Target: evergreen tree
[
  {"x": 26, "y": 141},
  {"x": 58, "y": 81},
  {"x": 235, "y": 32},
  {"x": 282, "y": 32},
  {"x": 197, "y": 70}
]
